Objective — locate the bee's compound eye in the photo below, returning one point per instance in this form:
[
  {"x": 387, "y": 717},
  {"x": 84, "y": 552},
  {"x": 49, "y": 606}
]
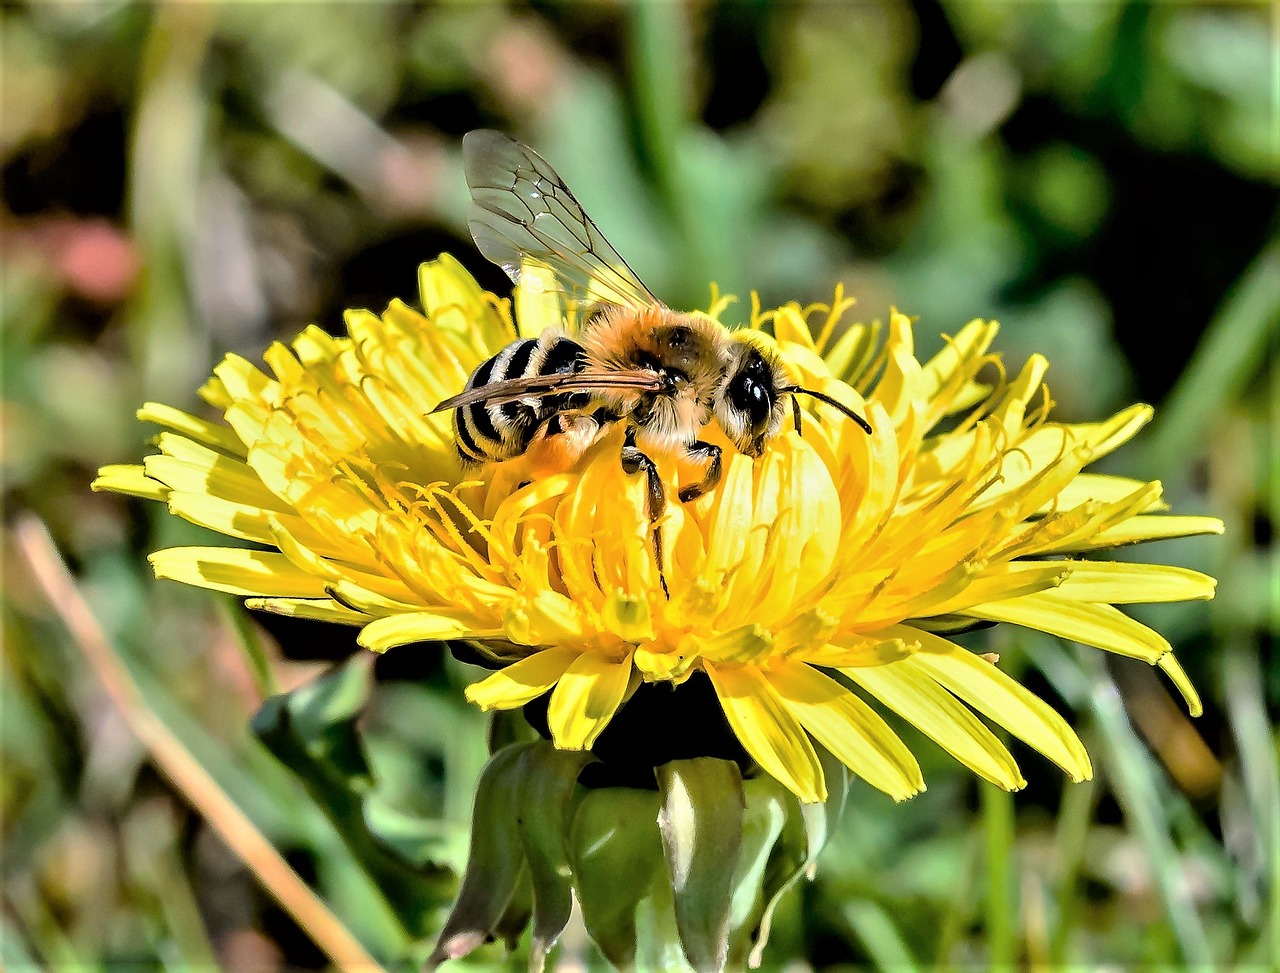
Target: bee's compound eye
[
  {"x": 752, "y": 398},
  {"x": 679, "y": 336}
]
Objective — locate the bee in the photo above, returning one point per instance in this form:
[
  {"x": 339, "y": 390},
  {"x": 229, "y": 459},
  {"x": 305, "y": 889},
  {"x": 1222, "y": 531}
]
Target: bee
[{"x": 628, "y": 358}]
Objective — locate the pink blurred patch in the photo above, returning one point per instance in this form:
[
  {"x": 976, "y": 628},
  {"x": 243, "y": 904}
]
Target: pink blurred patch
[
  {"x": 526, "y": 66},
  {"x": 97, "y": 261},
  {"x": 88, "y": 257}
]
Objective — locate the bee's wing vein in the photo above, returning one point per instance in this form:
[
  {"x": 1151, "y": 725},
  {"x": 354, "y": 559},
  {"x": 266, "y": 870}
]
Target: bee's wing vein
[{"x": 513, "y": 190}]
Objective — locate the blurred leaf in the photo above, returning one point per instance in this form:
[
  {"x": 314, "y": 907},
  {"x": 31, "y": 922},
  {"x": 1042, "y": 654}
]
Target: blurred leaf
[
  {"x": 423, "y": 842},
  {"x": 312, "y": 731},
  {"x": 874, "y": 927},
  {"x": 322, "y": 714},
  {"x": 13, "y": 952}
]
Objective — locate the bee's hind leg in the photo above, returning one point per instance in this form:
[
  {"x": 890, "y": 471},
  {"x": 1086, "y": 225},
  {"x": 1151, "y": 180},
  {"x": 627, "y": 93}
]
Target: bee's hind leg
[
  {"x": 560, "y": 442},
  {"x": 697, "y": 450},
  {"x": 635, "y": 461}
]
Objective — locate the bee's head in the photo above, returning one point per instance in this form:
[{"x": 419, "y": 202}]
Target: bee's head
[{"x": 749, "y": 404}]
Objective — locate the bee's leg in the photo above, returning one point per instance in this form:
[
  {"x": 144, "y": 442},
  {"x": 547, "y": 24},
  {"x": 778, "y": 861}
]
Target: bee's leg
[
  {"x": 634, "y": 461},
  {"x": 700, "y": 450},
  {"x": 795, "y": 414}
]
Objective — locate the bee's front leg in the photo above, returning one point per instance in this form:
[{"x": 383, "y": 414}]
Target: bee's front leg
[
  {"x": 698, "y": 450},
  {"x": 635, "y": 461}
]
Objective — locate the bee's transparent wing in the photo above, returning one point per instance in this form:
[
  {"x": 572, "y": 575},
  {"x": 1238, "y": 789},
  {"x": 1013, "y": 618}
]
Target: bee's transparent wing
[{"x": 523, "y": 216}]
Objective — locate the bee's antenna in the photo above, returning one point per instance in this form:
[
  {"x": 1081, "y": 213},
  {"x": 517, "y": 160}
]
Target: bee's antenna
[{"x": 836, "y": 403}]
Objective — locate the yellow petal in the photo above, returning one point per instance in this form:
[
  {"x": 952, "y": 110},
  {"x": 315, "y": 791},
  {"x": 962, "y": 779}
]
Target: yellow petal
[
  {"x": 210, "y": 473},
  {"x": 729, "y": 526},
  {"x": 522, "y": 681},
  {"x": 856, "y": 650},
  {"x": 627, "y": 617},
  {"x": 1103, "y": 437},
  {"x": 1106, "y": 489},
  {"x": 444, "y": 283},
  {"x": 1002, "y": 700},
  {"x": 455, "y": 303},
  {"x": 748, "y": 643},
  {"x": 321, "y": 610},
  {"x": 939, "y": 715},
  {"x": 853, "y": 732},
  {"x": 423, "y": 626},
  {"x": 315, "y": 346},
  {"x": 241, "y": 380},
  {"x": 542, "y": 618},
  {"x": 790, "y": 327},
  {"x": 1000, "y": 582},
  {"x": 853, "y": 352},
  {"x": 369, "y": 601},
  {"x": 201, "y": 430},
  {"x": 215, "y": 393},
  {"x": 902, "y": 386},
  {"x": 1124, "y": 583},
  {"x": 1173, "y": 669},
  {"x": 958, "y": 359},
  {"x": 233, "y": 519},
  {"x": 236, "y": 571},
  {"x": 768, "y": 731},
  {"x": 585, "y": 699},
  {"x": 809, "y": 521},
  {"x": 1144, "y": 527},
  {"x": 1012, "y": 408},
  {"x": 1101, "y": 626},
  {"x": 970, "y": 342},
  {"x": 131, "y": 480}
]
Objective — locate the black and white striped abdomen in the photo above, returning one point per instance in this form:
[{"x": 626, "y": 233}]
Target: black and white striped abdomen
[{"x": 492, "y": 433}]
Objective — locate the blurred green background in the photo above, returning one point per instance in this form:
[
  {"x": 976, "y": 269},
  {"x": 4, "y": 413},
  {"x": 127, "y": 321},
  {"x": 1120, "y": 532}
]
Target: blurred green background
[{"x": 182, "y": 180}]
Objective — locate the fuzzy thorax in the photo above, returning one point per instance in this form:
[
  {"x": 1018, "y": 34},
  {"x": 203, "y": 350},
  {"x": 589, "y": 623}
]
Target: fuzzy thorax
[{"x": 687, "y": 351}]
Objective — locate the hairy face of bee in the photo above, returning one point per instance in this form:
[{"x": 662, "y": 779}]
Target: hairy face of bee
[{"x": 749, "y": 404}]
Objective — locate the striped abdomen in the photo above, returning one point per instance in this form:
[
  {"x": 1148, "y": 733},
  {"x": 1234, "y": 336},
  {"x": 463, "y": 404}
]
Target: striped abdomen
[{"x": 492, "y": 433}]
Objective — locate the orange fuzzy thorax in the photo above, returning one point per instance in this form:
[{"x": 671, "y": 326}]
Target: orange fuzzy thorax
[{"x": 659, "y": 339}]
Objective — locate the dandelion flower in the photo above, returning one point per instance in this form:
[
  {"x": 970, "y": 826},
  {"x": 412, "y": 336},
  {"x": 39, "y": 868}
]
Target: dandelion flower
[{"x": 812, "y": 583}]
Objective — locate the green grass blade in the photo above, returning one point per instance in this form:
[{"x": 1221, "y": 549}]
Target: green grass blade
[
  {"x": 1074, "y": 820},
  {"x": 1001, "y": 908},
  {"x": 875, "y": 930},
  {"x": 1136, "y": 780},
  {"x": 1254, "y": 736},
  {"x": 264, "y": 677}
]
